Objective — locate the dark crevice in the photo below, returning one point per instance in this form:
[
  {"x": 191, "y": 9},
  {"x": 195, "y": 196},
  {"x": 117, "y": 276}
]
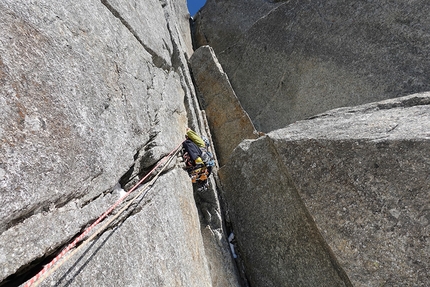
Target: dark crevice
[
  {"x": 193, "y": 33},
  {"x": 318, "y": 116},
  {"x": 228, "y": 229},
  {"x": 44, "y": 206},
  {"x": 85, "y": 203},
  {"x": 407, "y": 103},
  {"x": 158, "y": 61},
  {"x": 17, "y": 220},
  {"x": 127, "y": 177},
  {"x": 26, "y": 272},
  {"x": 127, "y": 182},
  {"x": 138, "y": 167}
]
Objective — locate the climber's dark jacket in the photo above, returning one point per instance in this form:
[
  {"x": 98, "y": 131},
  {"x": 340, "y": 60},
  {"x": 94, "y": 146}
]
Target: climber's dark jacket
[{"x": 192, "y": 149}]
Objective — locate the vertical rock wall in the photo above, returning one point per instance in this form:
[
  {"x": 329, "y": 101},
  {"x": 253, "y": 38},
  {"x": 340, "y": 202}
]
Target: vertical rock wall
[
  {"x": 338, "y": 200},
  {"x": 341, "y": 199},
  {"x": 289, "y": 60},
  {"x": 93, "y": 93},
  {"x": 228, "y": 122},
  {"x": 363, "y": 175},
  {"x": 276, "y": 238}
]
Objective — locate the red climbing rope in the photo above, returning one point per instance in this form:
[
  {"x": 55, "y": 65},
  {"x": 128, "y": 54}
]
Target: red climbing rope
[{"x": 88, "y": 229}]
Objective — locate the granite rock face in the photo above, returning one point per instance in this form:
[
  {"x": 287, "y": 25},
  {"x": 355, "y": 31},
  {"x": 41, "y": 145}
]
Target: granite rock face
[
  {"x": 361, "y": 174},
  {"x": 288, "y": 60},
  {"x": 228, "y": 122},
  {"x": 70, "y": 92},
  {"x": 154, "y": 244},
  {"x": 276, "y": 238},
  {"x": 92, "y": 94}
]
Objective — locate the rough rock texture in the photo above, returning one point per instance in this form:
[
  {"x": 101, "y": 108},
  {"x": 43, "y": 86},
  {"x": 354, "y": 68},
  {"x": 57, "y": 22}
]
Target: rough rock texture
[
  {"x": 276, "y": 238},
  {"x": 223, "y": 269},
  {"x": 228, "y": 122},
  {"x": 156, "y": 251},
  {"x": 93, "y": 93},
  {"x": 288, "y": 60},
  {"x": 71, "y": 90},
  {"x": 361, "y": 173}
]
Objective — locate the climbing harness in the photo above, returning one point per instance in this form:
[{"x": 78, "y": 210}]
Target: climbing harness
[
  {"x": 199, "y": 174},
  {"x": 50, "y": 268}
]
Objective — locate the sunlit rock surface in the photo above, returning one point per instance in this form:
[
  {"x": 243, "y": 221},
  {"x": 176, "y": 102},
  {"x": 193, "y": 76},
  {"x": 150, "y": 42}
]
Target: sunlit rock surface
[
  {"x": 360, "y": 174},
  {"x": 92, "y": 94},
  {"x": 228, "y": 122}
]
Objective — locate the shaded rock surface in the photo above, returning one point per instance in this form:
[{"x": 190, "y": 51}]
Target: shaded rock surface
[
  {"x": 92, "y": 94},
  {"x": 362, "y": 175},
  {"x": 288, "y": 60},
  {"x": 228, "y": 122}
]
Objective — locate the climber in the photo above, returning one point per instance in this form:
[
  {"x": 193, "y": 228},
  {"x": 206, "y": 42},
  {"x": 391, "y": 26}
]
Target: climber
[
  {"x": 203, "y": 144},
  {"x": 198, "y": 160},
  {"x": 193, "y": 150}
]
